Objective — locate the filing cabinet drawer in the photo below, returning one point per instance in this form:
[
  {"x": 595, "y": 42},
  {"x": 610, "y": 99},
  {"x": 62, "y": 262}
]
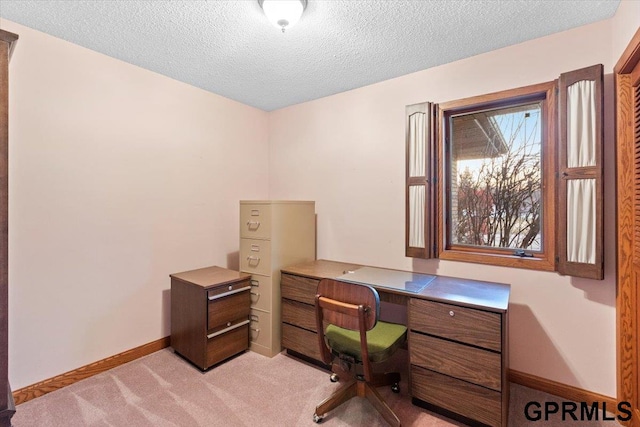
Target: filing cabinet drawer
[
  {"x": 301, "y": 341},
  {"x": 475, "y": 327},
  {"x": 299, "y": 288},
  {"x": 260, "y": 330},
  {"x": 227, "y": 344},
  {"x": 461, "y": 361},
  {"x": 224, "y": 309},
  {"x": 255, "y": 256},
  {"x": 261, "y": 292},
  {"x": 298, "y": 314},
  {"x": 461, "y": 397},
  {"x": 255, "y": 221}
]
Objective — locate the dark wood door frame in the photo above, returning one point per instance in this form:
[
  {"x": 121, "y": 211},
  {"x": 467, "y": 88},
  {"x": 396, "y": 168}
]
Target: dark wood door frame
[
  {"x": 628, "y": 262},
  {"x": 7, "y": 407}
]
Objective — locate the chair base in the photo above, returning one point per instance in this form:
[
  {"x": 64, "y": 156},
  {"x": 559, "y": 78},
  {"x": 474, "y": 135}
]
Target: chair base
[{"x": 364, "y": 389}]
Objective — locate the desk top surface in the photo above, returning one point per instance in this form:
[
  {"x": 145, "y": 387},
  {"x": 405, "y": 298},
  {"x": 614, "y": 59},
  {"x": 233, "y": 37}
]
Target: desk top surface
[{"x": 467, "y": 292}]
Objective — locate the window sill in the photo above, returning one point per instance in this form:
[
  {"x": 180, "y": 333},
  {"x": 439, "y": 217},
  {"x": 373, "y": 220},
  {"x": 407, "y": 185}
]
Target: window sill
[{"x": 538, "y": 263}]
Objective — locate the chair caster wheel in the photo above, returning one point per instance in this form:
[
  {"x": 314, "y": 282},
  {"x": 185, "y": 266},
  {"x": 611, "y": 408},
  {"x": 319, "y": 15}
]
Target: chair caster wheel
[
  {"x": 316, "y": 418},
  {"x": 395, "y": 388},
  {"x": 334, "y": 378}
]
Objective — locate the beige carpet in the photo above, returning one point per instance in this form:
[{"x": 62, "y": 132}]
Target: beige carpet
[{"x": 249, "y": 390}]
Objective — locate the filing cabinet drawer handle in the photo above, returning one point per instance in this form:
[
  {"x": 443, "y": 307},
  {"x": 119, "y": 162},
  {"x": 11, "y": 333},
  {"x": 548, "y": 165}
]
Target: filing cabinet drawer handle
[
  {"x": 253, "y": 225},
  {"x": 255, "y": 293},
  {"x": 225, "y": 330},
  {"x": 255, "y": 329},
  {"x": 255, "y": 283},
  {"x": 250, "y": 259},
  {"x": 226, "y": 294}
]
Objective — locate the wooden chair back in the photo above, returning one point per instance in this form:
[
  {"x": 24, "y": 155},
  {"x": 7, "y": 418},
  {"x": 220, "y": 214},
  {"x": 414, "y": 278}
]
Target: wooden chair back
[{"x": 347, "y": 305}]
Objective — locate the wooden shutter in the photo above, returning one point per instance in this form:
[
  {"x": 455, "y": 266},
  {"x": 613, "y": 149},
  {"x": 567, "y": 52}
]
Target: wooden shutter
[
  {"x": 421, "y": 161},
  {"x": 579, "y": 191}
]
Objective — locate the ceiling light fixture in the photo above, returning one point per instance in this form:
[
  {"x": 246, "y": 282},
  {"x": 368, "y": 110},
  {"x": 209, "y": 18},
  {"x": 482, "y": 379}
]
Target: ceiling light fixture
[{"x": 283, "y": 13}]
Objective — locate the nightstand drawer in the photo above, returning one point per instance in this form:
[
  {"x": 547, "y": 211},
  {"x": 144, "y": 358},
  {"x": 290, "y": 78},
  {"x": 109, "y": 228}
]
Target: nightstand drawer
[
  {"x": 261, "y": 292},
  {"x": 224, "y": 290},
  {"x": 461, "y": 397},
  {"x": 255, "y": 221},
  {"x": 225, "y": 345},
  {"x": 255, "y": 256},
  {"x": 476, "y": 327},
  {"x": 457, "y": 360},
  {"x": 299, "y": 314},
  {"x": 223, "y": 309}
]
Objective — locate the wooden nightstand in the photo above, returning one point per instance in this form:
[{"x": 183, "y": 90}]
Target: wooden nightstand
[{"x": 210, "y": 314}]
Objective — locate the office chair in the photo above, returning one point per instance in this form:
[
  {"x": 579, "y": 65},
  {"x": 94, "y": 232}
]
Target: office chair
[{"x": 352, "y": 340}]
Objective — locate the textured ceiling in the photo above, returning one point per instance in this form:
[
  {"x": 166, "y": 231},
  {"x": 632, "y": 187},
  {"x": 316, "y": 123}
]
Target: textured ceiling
[{"x": 229, "y": 48}]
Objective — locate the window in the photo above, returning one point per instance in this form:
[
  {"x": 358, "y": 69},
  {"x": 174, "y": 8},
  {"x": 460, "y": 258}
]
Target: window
[
  {"x": 495, "y": 178},
  {"x": 512, "y": 178}
]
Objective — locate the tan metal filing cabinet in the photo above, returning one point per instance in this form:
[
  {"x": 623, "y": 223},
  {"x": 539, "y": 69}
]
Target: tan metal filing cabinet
[{"x": 273, "y": 234}]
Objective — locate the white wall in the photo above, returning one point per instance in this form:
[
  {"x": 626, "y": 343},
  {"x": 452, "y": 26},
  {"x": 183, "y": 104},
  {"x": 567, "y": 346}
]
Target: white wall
[
  {"x": 118, "y": 177},
  {"x": 347, "y": 152},
  {"x": 624, "y": 25}
]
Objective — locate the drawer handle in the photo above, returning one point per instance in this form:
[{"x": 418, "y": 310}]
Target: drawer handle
[
  {"x": 225, "y": 330},
  {"x": 255, "y": 283},
  {"x": 255, "y": 329},
  {"x": 226, "y": 294},
  {"x": 253, "y": 225},
  {"x": 451, "y": 313},
  {"x": 253, "y": 259},
  {"x": 254, "y": 318},
  {"x": 255, "y": 293}
]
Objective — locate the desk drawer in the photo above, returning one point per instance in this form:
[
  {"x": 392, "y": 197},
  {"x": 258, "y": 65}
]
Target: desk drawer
[
  {"x": 298, "y": 314},
  {"x": 299, "y": 288},
  {"x": 261, "y": 292},
  {"x": 461, "y": 397},
  {"x": 255, "y": 221},
  {"x": 255, "y": 256},
  {"x": 471, "y": 326},
  {"x": 227, "y": 344},
  {"x": 301, "y": 341},
  {"x": 224, "y": 309},
  {"x": 461, "y": 361}
]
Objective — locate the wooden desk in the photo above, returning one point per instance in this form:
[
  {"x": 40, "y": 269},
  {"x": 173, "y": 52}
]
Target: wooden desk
[{"x": 457, "y": 336}]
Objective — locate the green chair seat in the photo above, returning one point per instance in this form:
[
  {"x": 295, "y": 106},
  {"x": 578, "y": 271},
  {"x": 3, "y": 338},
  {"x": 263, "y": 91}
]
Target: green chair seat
[{"x": 382, "y": 340}]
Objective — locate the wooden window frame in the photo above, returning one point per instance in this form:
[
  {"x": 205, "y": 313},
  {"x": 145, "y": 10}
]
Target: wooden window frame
[
  {"x": 553, "y": 255},
  {"x": 545, "y": 258}
]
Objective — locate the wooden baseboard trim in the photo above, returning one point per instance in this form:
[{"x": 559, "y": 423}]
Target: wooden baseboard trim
[
  {"x": 47, "y": 386},
  {"x": 565, "y": 391},
  {"x": 25, "y": 394}
]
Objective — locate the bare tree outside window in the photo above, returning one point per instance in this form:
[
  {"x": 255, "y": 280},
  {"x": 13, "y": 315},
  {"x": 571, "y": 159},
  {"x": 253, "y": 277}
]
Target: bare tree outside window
[{"x": 496, "y": 178}]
